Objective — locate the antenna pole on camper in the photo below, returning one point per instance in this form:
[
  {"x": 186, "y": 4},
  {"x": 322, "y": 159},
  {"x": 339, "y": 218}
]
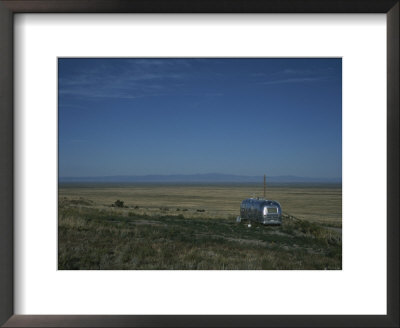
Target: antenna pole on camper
[{"x": 265, "y": 185}]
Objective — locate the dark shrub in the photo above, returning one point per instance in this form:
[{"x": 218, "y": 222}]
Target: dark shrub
[{"x": 119, "y": 203}]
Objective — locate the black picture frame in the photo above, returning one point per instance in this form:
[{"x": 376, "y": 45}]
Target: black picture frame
[{"x": 10, "y": 7}]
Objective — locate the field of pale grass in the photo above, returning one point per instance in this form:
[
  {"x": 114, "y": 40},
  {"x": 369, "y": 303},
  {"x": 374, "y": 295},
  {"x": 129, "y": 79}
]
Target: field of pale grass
[
  {"x": 312, "y": 203},
  {"x": 163, "y": 227}
]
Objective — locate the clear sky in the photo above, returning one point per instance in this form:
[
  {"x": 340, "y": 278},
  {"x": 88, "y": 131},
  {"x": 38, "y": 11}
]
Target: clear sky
[{"x": 187, "y": 116}]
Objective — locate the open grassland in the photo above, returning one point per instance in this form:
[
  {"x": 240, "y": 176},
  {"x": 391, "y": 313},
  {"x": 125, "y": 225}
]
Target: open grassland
[
  {"x": 193, "y": 227},
  {"x": 321, "y": 204}
]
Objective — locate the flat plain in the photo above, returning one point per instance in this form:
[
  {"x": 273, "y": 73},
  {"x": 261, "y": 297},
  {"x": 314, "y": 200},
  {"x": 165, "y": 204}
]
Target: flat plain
[{"x": 193, "y": 227}]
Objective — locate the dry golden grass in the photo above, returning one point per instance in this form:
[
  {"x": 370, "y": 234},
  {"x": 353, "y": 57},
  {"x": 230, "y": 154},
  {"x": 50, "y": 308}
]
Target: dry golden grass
[
  {"x": 192, "y": 227},
  {"x": 313, "y": 203},
  {"x": 93, "y": 239}
]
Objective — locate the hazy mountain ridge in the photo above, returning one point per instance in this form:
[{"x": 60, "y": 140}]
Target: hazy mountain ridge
[{"x": 200, "y": 178}]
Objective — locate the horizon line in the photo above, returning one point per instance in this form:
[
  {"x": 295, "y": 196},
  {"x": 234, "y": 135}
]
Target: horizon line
[{"x": 198, "y": 174}]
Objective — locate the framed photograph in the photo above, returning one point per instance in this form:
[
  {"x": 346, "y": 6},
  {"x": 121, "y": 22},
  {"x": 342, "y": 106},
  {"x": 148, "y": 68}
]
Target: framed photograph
[
  {"x": 191, "y": 164},
  {"x": 186, "y": 120}
]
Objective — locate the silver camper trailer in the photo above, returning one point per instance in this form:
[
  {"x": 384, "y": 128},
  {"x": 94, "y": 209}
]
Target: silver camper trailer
[{"x": 261, "y": 210}]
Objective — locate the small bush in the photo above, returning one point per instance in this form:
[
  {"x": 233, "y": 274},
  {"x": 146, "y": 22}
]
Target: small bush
[
  {"x": 118, "y": 203},
  {"x": 201, "y": 210}
]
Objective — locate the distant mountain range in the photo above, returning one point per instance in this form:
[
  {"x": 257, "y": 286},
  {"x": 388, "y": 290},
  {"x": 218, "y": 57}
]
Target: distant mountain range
[{"x": 200, "y": 178}]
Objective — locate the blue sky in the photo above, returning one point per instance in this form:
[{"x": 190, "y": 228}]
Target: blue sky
[{"x": 245, "y": 116}]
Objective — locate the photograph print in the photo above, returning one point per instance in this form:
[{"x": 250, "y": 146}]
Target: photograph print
[{"x": 199, "y": 163}]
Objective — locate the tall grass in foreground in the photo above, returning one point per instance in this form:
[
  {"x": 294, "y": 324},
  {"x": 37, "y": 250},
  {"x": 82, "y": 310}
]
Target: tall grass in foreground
[{"x": 99, "y": 239}]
